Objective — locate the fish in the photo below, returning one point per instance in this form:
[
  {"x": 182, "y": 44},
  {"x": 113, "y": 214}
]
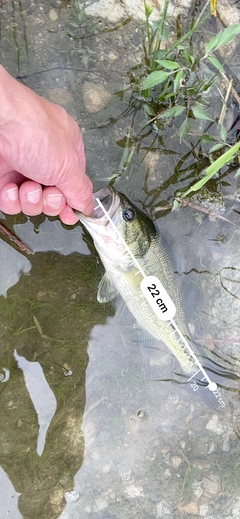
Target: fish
[{"x": 122, "y": 276}]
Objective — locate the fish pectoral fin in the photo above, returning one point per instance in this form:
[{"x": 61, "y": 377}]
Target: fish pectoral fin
[{"x": 106, "y": 290}]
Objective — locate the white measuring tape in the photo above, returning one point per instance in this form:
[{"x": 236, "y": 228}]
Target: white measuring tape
[{"x": 165, "y": 309}]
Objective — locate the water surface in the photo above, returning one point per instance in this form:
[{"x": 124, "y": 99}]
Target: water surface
[{"x": 110, "y": 429}]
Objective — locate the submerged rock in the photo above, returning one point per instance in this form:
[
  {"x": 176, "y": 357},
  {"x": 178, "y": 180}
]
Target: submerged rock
[{"x": 95, "y": 96}]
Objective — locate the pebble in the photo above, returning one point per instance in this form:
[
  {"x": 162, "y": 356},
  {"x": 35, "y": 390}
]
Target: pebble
[
  {"x": 72, "y": 496},
  {"x": 95, "y": 96},
  {"x": 212, "y": 485},
  {"x": 133, "y": 491},
  {"x": 213, "y": 425},
  {"x": 203, "y": 510},
  {"x": 176, "y": 461},
  {"x": 53, "y": 15},
  {"x": 226, "y": 447},
  {"x": 189, "y": 508},
  {"x": 163, "y": 509},
  {"x": 57, "y": 496}
]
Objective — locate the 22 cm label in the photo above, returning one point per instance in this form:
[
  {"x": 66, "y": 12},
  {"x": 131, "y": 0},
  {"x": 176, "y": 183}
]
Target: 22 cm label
[{"x": 155, "y": 292}]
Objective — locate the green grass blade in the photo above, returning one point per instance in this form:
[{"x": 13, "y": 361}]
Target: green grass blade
[{"x": 214, "y": 168}]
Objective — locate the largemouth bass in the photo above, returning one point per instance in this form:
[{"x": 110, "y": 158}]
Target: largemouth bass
[{"x": 122, "y": 276}]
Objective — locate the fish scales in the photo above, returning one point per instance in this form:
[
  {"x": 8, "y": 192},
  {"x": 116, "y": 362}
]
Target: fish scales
[
  {"x": 128, "y": 285},
  {"x": 151, "y": 252}
]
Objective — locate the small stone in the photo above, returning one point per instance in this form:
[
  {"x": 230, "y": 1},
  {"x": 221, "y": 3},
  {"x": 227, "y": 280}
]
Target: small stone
[
  {"x": 167, "y": 473},
  {"x": 112, "y": 56},
  {"x": 72, "y": 496},
  {"x": 57, "y": 496},
  {"x": 133, "y": 491},
  {"x": 53, "y": 15},
  {"x": 213, "y": 425},
  {"x": 226, "y": 447},
  {"x": 163, "y": 509},
  {"x": 189, "y": 508},
  {"x": 176, "y": 461},
  {"x": 212, "y": 485},
  {"x": 95, "y": 96},
  {"x": 182, "y": 444},
  {"x": 165, "y": 449},
  {"x": 203, "y": 510}
]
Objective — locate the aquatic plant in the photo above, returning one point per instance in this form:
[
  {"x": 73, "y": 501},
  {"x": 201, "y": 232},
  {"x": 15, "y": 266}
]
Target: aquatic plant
[
  {"x": 169, "y": 80},
  {"x": 170, "y": 88}
]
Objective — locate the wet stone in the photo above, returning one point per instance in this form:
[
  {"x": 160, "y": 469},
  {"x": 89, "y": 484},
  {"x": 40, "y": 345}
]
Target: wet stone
[
  {"x": 133, "y": 491},
  {"x": 189, "y": 508},
  {"x": 212, "y": 485},
  {"x": 95, "y": 96},
  {"x": 176, "y": 461},
  {"x": 72, "y": 496},
  {"x": 53, "y": 15},
  {"x": 163, "y": 509}
]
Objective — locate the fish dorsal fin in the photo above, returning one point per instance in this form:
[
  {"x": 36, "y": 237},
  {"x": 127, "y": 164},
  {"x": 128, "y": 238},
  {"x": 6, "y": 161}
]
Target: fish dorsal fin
[{"x": 106, "y": 289}]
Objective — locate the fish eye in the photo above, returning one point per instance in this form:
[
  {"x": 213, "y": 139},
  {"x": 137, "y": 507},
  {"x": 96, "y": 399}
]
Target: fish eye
[{"x": 128, "y": 214}]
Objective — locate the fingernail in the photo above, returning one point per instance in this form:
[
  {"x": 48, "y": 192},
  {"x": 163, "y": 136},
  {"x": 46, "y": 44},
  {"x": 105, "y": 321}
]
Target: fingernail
[
  {"x": 54, "y": 200},
  {"x": 12, "y": 194},
  {"x": 33, "y": 196}
]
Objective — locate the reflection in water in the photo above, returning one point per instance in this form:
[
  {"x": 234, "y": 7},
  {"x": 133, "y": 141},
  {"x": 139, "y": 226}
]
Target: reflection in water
[
  {"x": 41, "y": 396},
  {"x": 13, "y": 265},
  {"x": 152, "y": 448},
  {"x": 9, "y": 498}
]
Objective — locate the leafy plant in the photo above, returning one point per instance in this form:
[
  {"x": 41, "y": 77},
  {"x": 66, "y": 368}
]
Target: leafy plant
[
  {"x": 81, "y": 26},
  {"x": 170, "y": 82}
]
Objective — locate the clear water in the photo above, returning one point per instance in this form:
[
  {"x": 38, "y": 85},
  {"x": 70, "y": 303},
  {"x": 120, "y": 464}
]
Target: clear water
[{"x": 91, "y": 425}]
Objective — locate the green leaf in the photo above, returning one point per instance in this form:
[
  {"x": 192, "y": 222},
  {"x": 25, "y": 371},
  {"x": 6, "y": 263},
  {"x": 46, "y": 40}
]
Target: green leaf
[
  {"x": 148, "y": 110},
  {"x": 184, "y": 129},
  {"x": 216, "y": 63},
  {"x": 208, "y": 138},
  {"x": 216, "y": 147},
  {"x": 222, "y": 38},
  {"x": 199, "y": 113},
  {"x": 167, "y": 63},
  {"x": 223, "y": 133},
  {"x": 172, "y": 112},
  {"x": 155, "y": 78},
  {"x": 177, "y": 80},
  {"x": 175, "y": 205}
]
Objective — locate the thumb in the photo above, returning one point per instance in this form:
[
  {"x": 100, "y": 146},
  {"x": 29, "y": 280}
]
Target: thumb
[{"x": 77, "y": 189}]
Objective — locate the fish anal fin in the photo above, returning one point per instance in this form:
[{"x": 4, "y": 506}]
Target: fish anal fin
[{"x": 106, "y": 290}]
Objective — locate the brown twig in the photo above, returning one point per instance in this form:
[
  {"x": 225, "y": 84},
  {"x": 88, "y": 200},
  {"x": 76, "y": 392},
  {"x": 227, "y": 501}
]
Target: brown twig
[
  {"x": 197, "y": 207},
  {"x": 12, "y": 237}
]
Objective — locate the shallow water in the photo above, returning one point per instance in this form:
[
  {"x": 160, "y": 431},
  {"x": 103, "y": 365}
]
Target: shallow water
[{"x": 92, "y": 425}]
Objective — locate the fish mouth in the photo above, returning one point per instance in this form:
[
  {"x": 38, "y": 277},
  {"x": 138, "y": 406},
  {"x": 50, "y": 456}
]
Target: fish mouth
[{"x": 105, "y": 201}]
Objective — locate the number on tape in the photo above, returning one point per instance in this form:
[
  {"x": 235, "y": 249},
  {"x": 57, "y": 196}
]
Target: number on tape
[{"x": 158, "y": 298}]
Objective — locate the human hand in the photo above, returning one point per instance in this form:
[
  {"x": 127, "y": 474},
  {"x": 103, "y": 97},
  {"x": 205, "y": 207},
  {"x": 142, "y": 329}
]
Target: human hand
[{"x": 42, "y": 161}]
